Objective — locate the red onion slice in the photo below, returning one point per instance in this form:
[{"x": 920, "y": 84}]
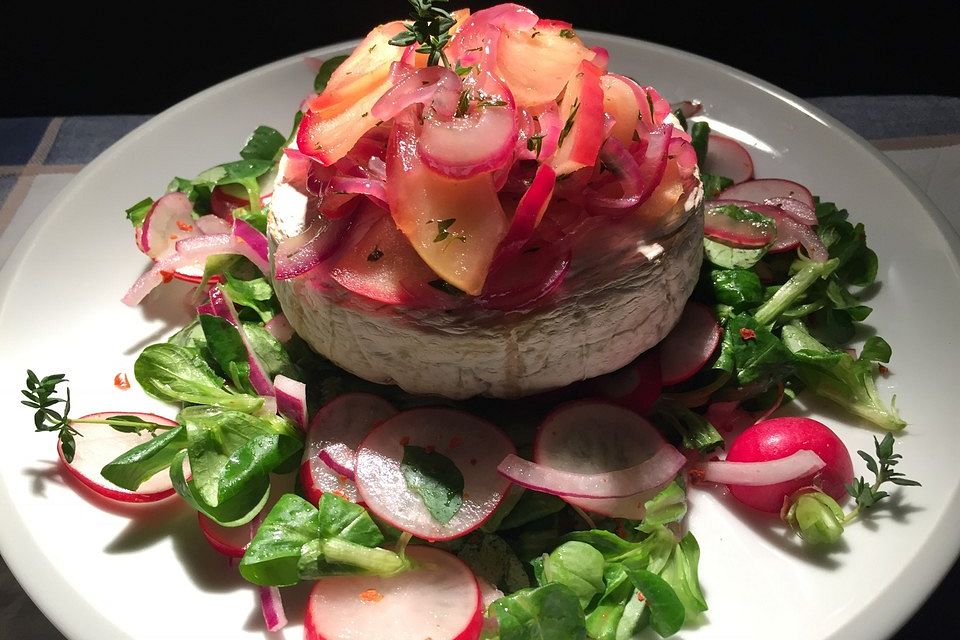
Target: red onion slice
[
  {"x": 656, "y": 470},
  {"x": 530, "y": 210},
  {"x": 482, "y": 140},
  {"x": 211, "y": 225},
  {"x": 376, "y": 190},
  {"x": 223, "y": 307},
  {"x": 760, "y": 474},
  {"x": 271, "y": 605},
  {"x": 651, "y": 120},
  {"x": 601, "y": 58},
  {"x": 296, "y": 256},
  {"x": 436, "y": 86},
  {"x": 629, "y": 173},
  {"x": 790, "y": 233},
  {"x": 525, "y": 278},
  {"x": 292, "y": 400},
  {"x": 279, "y": 327},
  {"x": 340, "y": 458},
  {"x": 796, "y": 209},
  {"x": 244, "y": 232}
]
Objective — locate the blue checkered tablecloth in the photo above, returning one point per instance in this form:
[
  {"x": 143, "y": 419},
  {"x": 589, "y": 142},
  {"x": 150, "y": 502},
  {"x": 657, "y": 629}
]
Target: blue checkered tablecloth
[{"x": 39, "y": 156}]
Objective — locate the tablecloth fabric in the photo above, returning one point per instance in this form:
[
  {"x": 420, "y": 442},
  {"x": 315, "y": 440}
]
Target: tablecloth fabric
[{"x": 39, "y": 156}]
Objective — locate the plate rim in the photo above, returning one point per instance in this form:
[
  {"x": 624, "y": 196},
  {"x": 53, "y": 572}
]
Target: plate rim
[{"x": 889, "y": 608}]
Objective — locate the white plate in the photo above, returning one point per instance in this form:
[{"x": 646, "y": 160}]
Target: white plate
[{"x": 101, "y": 574}]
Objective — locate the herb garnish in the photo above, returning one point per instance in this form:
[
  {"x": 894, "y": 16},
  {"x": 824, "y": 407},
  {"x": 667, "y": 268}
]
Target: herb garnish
[
  {"x": 442, "y": 285},
  {"x": 535, "y": 144},
  {"x": 40, "y": 396},
  {"x": 882, "y": 469},
  {"x": 375, "y": 255},
  {"x": 567, "y": 33},
  {"x": 463, "y": 105},
  {"x": 443, "y": 230},
  {"x": 568, "y": 125},
  {"x": 430, "y": 28}
]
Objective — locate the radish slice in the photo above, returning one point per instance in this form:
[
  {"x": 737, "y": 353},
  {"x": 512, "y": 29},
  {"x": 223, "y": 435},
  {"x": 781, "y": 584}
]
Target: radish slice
[
  {"x": 636, "y": 386},
  {"x": 689, "y": 345},
  {"x": 765, "y": 188},
  {"x": 340, "y": 458},
  {"x": 229, "y": 541},
  {"x": 169, "y": 219},
  {"x": 436, "y": 86},
  {"x": 656, "y": 470},
  {"x": 100, "y": 444},
  {"x": 437, "y": 599},
  {"x": 346, "y": 420},
  {"x": 478, "y": 38},
  {"x": 760, "y": 474},
  {"x": 727, "y": 157},
  {"x": 292, "y": 400},
  {"x": 616, "y": 438},
  {"x": 741, "y": 233},
  {"x": 475, "y": 446},
  {"x": 530, "y": 210},
  {"x": 211, "y": 225},
  {"x": 244, "y": 232}
]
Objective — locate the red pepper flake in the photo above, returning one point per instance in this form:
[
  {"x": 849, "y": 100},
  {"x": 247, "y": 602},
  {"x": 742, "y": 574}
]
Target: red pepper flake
[
  {"x": 167, "y": 276},
  {"x": 371, "y": 595},
  {"x": 173, "y": 236},
  {"x": 404, "y": 441},
  {"x": 340, "y": 494},
  {"x": 748, "y": 334},
  {"x": 883, "y": 370},
  {"x": 183, "y": 226},
  {"x": 120, "y": 381},
  {"x": 343, "y": 479},
  {"x": 455, "y": 442},
  {"x": 641, "y": 597}
]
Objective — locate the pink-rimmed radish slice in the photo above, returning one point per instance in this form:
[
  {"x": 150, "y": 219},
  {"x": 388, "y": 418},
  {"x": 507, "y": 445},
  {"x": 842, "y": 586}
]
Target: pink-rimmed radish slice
[
  {"x": 344, "y": 420},
  {"x": 689, "y": 345},
  {"x": 591, "y": 436},
  {"x": 340, "y": 458},
  {"x": 475, "y": 446},
  {"x": 527, "y": 277},
  {"x": 168, "y": 220},
  {"x": 101, "y": 444},
  {"x": 438, "y": 599},
  {"x": 291, "y": 399},
  {"x": 481, "y": 140},
  {"x": 763, "y": 189},
  {"x": 727, "y": 157},
  {"x": 740, "y": 233},
  {"x": 653, "y": 472},
  {"x": 211, "y": 225},
  {"x": 228, "y": 541},
  {"x": 759, "y": 474},
  {"x": 636, "y": 387},
  {"x": 435, "y": 86},
  {"x": 792, "y": 228}
]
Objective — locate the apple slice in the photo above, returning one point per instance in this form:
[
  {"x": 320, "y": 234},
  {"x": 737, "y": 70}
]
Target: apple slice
[
  {"x": 334, "y": 120},
  {"x": 454, "y": 225},
  {"x": 621, "y": 99},
  {"x": 381, "y": 265},
  {"x": 373, "y": 53},
  {"x": 581, "y": 113},
  {"x": 438, "y": 599},
  {"x": 537, "y": 63}
]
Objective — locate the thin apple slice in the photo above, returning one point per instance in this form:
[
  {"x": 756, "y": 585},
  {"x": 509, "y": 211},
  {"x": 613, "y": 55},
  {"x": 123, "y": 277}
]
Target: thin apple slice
[
  {"x": 621, "y": 99},
  {"x": 581, "y": 113},
  {"x": 454, "y": 225},
  {"x": 382, "y": 266},
  {"x": 537, "y": 63},
  {"x": 370, "y": 56}
]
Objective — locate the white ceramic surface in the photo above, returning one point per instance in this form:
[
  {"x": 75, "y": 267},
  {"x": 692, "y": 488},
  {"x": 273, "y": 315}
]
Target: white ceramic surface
[{"x": 113, "y": 574}]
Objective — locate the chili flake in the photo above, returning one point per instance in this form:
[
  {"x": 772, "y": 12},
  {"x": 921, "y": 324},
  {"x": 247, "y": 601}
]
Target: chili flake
[
  {"x": 120, "y": 381},
  {"x": 371, "y": 595},
  {"x": 183, "y": 226},
  {"x": 748, "y": 334}
]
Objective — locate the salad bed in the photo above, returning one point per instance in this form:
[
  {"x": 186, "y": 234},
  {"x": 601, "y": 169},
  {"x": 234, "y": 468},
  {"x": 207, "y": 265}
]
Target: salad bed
[{"x": 785, "y": 318}]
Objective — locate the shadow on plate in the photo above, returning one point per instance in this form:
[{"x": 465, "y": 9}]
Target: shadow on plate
[
  {"x": 41, "y": 476},
  {"x": 173, "y": 305}
]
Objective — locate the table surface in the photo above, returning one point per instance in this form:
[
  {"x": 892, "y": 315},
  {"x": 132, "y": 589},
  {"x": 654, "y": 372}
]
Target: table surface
[{"x": 39, "y": 156}]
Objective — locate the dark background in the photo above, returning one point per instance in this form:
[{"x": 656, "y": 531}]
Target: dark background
[{"x": 89, "y": 59}]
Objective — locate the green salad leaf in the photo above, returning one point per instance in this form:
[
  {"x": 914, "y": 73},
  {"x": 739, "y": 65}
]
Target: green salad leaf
[
  {"x": 133, "y": 468},
  {"x": 325, "y": 71},
  {"x": 436, "y": 479},
  {"x": 265, "y": 143},
  {"x": 550, "y": 612}
]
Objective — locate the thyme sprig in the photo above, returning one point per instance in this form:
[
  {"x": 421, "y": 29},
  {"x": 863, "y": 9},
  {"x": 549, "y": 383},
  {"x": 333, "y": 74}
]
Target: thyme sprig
[
  {"x": 882, "y": 468},
  {"x": 40, "y": 396},
  {"x": 430, "y": 27}
]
